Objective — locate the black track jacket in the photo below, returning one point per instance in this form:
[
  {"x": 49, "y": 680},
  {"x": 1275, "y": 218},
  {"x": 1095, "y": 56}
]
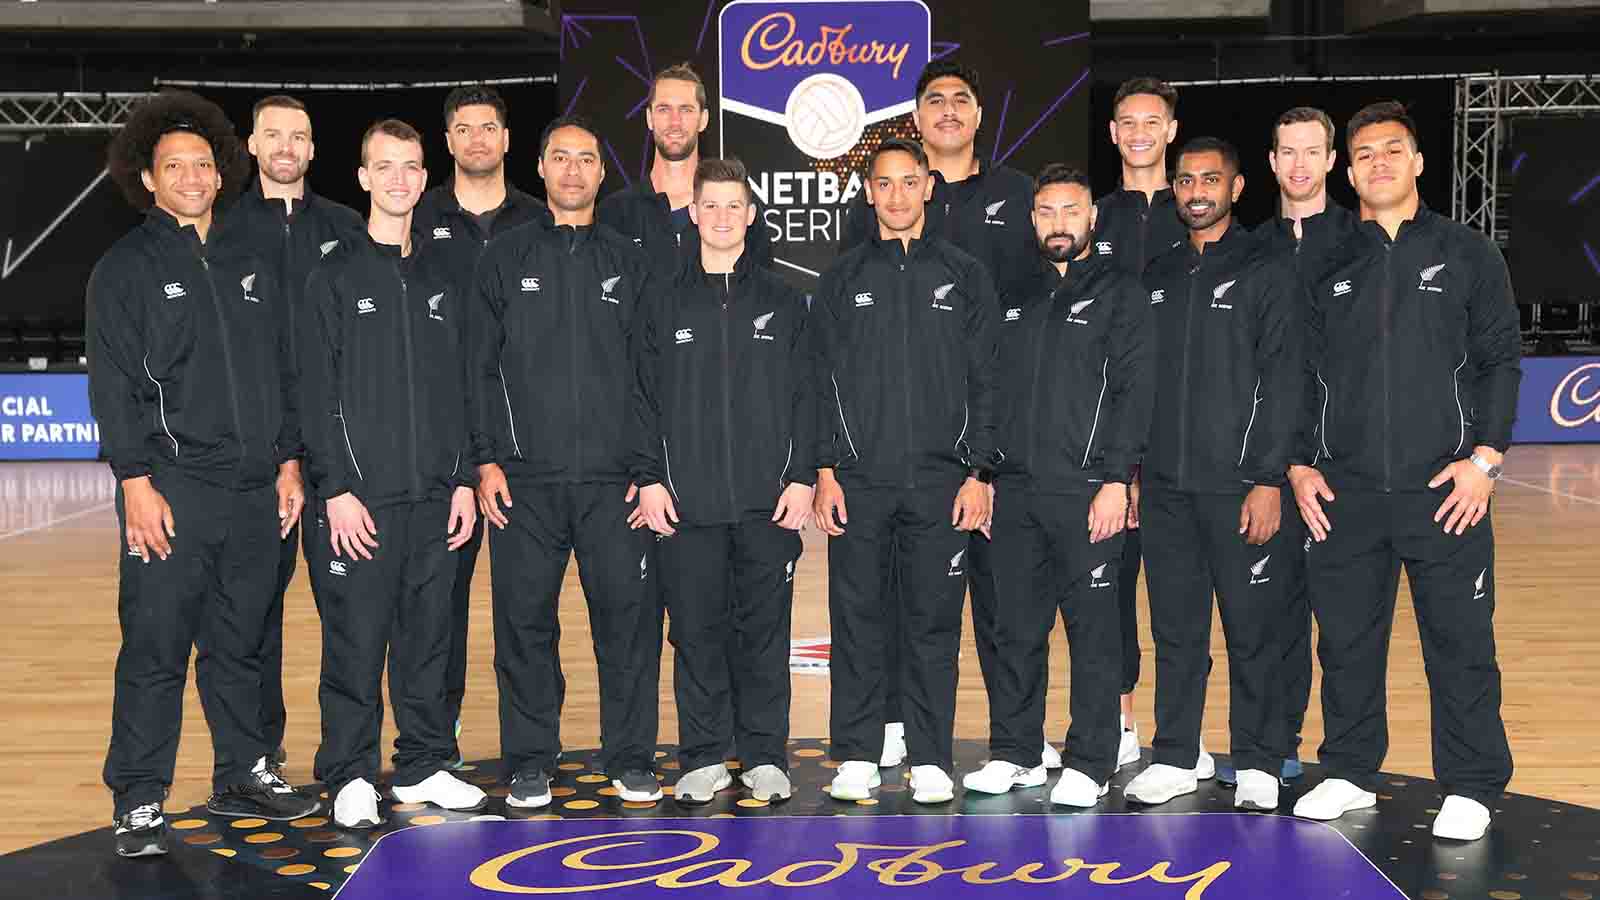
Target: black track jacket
[
  {"x": 1321, "y": 235},
  {"x": 643, "y": 215},
  {"x": 1134, "y": 231},
  {"x": 452, "y": 235}
]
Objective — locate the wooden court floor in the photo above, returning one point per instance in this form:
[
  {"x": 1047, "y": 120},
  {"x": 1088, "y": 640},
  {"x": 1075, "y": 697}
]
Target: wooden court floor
[{"x": 59, "y": 550}]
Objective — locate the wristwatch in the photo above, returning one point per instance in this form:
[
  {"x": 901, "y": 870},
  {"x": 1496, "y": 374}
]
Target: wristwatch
[
  {"x": 1492, "y": 471},
  {"x": 984, "y": 476}
]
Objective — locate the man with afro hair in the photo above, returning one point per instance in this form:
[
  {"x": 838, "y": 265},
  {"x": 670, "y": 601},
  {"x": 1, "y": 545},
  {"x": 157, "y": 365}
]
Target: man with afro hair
[{"x": 190, "y": 380}]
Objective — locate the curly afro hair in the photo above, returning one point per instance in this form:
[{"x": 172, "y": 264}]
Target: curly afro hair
[{"x": 133, "y": 149}]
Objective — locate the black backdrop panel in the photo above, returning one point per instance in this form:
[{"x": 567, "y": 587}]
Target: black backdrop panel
[{"x": 1555, "y": 210}]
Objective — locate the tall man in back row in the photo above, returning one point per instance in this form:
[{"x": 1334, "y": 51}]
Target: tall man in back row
[{"x": 1414, "y": 354}]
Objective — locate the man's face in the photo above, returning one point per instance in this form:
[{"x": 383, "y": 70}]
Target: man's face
[
  {"x": 898, "y": 190},
  {"x": 948, "y": 115},
  {"x": 1205, "y": 189},
  {"x": 675, "y": 119},
  {"x": 281, "y": 143},
  {"x": 183, "y": 175},
  {"x": 1142, "y": 130},
  {"x": 477, "y": 139},
  {"x": 1384, "y": 165},
  {"x": 1063, "y": 216},
  {"x": 1302, "y": 160},
  {"x": 723, "y": 213},
  {"x": 393, "y": 174},
  {"x": 571, "y": 169}
]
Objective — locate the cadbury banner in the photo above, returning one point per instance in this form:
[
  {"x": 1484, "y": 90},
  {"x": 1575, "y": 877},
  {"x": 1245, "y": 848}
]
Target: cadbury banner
[
  {"x": 1559, "y": 402},
  {"x": 802, "y": 90}
]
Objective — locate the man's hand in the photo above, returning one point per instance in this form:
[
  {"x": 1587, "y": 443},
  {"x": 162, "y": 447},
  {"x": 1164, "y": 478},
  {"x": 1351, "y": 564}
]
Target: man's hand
[
  {"x": 1108, "y": 512},
  {"x": 1310, "y": 489},
  {"x": 794, "y": 507},
  {"x": 291, "y": 497},
  {"x": 655, "y": 510},
  {"x": 492, "y": 486},
  {"x": 1133, "y": 503},
  {"x": 828, "y": 503},
  {"x": 1260, "y": 514},
  {"x": 149, "y": 519},
  {"x": 973, "y": 507},
  {"x": 463, "y": 516},
  {"x": 1469, "y": 498},
  {"x": 350, "y": 526}
]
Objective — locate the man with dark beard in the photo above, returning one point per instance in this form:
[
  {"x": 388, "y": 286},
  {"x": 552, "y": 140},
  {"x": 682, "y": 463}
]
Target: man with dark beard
[
  {"x": 1076, "y": 353},
  {"x": 654, "y": 211},
  {"x": 1228, "y": 371}
]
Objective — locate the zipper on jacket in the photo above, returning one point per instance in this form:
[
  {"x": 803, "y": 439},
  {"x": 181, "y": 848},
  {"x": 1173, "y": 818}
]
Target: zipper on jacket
[
  {"x": 727, "y": 393},
  {"x": 227, "y": 357},
  {"x": 1383, "y": 348},
  {"x": 572, "y": 334},
  {"x": 1184, "y": 388},
  {"x": 905, "y": 302},
  {"x": 1034, "y": 419},
  {"x": 411, "y": 380}
]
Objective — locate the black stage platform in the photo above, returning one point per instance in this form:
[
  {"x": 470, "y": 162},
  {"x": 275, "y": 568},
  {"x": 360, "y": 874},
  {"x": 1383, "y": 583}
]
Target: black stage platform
[{"x": 814, "y": 846}]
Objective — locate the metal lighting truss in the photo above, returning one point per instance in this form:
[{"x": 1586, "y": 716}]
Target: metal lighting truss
[{"x": 41, "y": 113}]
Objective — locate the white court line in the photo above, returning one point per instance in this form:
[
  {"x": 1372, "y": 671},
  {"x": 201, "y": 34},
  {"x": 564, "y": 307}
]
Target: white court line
[
  {"x": 54, "y": 522},
  {"x": 1542, "y": 489}
]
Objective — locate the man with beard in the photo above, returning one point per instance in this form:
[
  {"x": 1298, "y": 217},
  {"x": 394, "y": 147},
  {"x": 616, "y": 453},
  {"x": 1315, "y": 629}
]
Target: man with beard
[
  {"x": 190, "y": 380},
  {"x": 907, "y": 377},
  {"x": 293, "y": 226},
  {"x": 979, "y": 208},
  {"x": 1135, "y": 224},
  {"x": 654, "y": 211},
  {"x": 455, "y": 222},
  {"x": 1076, "y": 352},
  {"x": 556, "y": 304},
  {"x": 1413, "y": 339},
  {"x": 1228, "y": 370}
]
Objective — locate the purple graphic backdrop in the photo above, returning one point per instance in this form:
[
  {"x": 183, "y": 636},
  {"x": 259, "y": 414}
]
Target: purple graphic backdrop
[{"x": 1137, "y": 857}]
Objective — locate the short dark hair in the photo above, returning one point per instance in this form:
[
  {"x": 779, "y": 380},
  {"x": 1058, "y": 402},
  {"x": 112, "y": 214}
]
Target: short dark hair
[
  {"x": 393, "y": 128},
  {"x": 1377, "y": 114},
  {"x": 1207, "y": 144},
  {"x": 1061, "y": 173},
  {"x": 133, "y": 149},
  {"x": 276, "y": 101},
  {"x": 722, "y": 171},
  {"x": 474, "y": 95},
  {"x": 950, "y": 68},
  {"x": 1153, "y": 86},
  {"x": 898, "y": 145},
  {"x": 1303, "y": 114},
  {"x": 571, "y": 120},
  {"x": 680, "y": 72}
]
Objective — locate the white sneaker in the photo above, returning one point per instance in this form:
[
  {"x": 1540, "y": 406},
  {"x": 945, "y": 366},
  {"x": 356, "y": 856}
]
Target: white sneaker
[
  {"x": 894, "y": 745},
  {"x": 1461, "y": 819},
  {"x": 768, "y": 783},
  {"x": 854, "y": 780},
  {"x": 929, "y": 784},
  {"x": 1160, "y": 783},
  {"x": 1074, "y": 788},
  {"x": 1332, "y": 799},
  {"x": 444, "y": 790},
  {"x": 1205, "y": 767},
  {"x": 1255, "y": 790},
  {"x": 356, "y": 806},
  {"x": 998, "y": 777},
  {"x": 1128, "y": 748},
  {"x": 700, "y": 785},
  {"x": 1051, "y": 757}
]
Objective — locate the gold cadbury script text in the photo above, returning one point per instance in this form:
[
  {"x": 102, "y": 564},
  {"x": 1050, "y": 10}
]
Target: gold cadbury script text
[
  {"x": 771, "y": 42},
  {"x": 912, "y": 866}
]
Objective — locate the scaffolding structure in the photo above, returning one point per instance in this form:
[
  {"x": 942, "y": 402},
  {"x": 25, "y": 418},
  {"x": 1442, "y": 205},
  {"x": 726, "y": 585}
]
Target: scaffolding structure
[{"x": 28, "y": 114}]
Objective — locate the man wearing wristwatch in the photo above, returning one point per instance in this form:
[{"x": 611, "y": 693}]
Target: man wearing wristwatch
[
  {"x": 1412, "y": 359},
  {"x": 905, "y": 377}
]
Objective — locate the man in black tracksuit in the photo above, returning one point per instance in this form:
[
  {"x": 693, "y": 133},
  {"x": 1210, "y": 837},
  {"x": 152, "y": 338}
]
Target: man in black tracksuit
[
  {"x": 383, "y": 353},
  {"x": 191, "y": 382},
  {"x": 1076, "y": 353},
  {"x": 295, "y": 226},
  {"x": 643, "y": 214},
  {"x": 723, "y": 402},
  {"x": 981, "y": 207},
  {"x": 555, "y": 310},
  {"x": 1228, "y": 370},
  {"x": 455, "y": 222},
  {"x": 1308, "y": 228},
  {"x": 1414, "y": 355},
  {"x": 904, "y": 330}
]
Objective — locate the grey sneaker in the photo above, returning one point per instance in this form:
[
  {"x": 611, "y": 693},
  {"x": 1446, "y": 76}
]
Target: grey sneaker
[
  {"x": 767, "y": 783},
  {"x": 702, "y": 784}
]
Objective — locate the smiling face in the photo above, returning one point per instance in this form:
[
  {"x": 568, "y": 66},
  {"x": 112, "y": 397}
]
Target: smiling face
[
  {"x": 898, "y": 190},
  {"x": 1142, "y": 129},
  {"x": 280, "y": 141},
  {"x": 675, "y": 119},
  {"x": 948, "y": 115},
  {"x": 1384, "y": 165},
  {"x": 1302, "y": 160},
  {"x": 1205, "y": 189},
  {"x": 392, "y": 173},
  {"x": 1063, "y": 216},
  {"x": 183, "y": 176},
  {"x": 477, "y": 139},
  {"x": 571, "y": 169},
  {"x": 723, "y": 213}
]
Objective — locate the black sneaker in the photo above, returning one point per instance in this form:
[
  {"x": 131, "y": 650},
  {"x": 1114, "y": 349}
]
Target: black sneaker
[
  {"x": 637, "y": 786},
  {"x": 529, "y": 790},
  {"x": 265, "y": 796},
  {"x": 142, "y": 831}
]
